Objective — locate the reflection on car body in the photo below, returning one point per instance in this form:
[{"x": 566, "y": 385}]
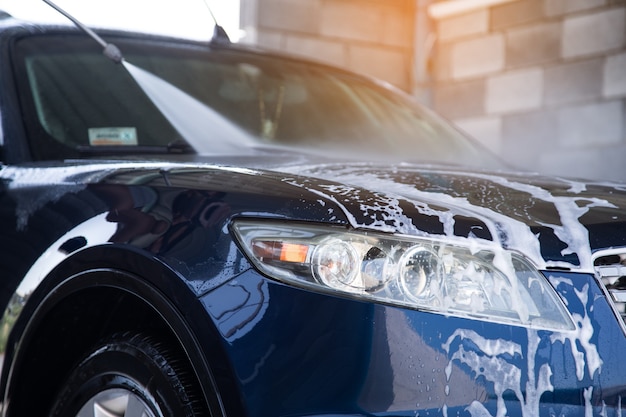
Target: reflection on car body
[{"x": 207, "y": 229}]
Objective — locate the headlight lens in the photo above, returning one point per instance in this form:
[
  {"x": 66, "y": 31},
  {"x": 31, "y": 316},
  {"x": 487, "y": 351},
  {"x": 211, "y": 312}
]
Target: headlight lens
[{"x": 451, "y": 276}]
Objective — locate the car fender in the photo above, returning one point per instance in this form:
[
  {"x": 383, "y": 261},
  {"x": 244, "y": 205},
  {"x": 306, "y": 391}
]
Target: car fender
[{"x": 82, "y": 259}]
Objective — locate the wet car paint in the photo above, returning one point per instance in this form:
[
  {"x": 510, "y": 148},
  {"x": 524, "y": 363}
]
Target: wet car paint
[
  {"x": 332, "y": 355},
  {"x": 381, "y": 360}
]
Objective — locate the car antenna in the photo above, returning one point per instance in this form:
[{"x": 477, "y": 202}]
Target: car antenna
[
  {"x": 219, "y": 33},
  {"x": 108, "y": 49}
]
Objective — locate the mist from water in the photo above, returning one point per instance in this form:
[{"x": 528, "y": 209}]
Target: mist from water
[{"x": 206, "y": 130}]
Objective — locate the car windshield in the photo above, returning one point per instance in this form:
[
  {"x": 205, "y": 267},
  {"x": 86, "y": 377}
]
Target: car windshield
[{"x": 78, "y": 103}]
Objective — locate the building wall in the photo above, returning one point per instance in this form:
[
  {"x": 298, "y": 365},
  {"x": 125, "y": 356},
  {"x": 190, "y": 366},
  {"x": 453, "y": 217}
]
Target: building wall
[
  {"x": 373, "y": 37},
  {"x": 542, "y": 82}
]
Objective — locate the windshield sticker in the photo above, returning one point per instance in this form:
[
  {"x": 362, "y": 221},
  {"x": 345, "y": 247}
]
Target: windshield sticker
[{"x": 113, "y": 136}]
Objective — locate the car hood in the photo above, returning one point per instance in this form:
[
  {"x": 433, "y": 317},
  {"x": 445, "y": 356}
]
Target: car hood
[{"x": 555, "y": 222}]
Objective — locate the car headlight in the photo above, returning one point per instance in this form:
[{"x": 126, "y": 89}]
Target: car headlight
[{"x": 451, "y": 276}]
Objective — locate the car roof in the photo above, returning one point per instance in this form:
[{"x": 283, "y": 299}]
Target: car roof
[{"x": 11, "y": 27}]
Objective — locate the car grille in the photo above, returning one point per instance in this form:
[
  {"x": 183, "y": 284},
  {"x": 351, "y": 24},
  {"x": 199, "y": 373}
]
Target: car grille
[{"x": 611, "y": 268}]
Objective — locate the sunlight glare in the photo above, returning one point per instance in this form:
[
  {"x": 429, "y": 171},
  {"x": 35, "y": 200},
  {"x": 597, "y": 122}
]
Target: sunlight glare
[{"x": 183, "y": 18}]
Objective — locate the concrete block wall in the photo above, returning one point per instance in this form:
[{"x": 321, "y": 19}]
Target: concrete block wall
[
  {"x": 374, "y": 37},
  {"x": 542, "y": 82}
]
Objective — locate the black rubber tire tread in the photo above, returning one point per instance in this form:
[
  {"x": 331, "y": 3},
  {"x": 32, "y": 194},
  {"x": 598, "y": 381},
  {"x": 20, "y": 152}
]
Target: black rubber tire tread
[{"x": 140, "y": 363}]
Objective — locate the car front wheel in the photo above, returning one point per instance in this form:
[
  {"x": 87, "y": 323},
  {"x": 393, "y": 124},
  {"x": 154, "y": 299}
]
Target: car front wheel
[{"x": 129, "y": 375}]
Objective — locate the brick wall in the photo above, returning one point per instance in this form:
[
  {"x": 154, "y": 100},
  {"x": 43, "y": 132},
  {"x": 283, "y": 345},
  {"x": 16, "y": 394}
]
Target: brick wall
[
  {"x": 543, "y": 82},
  {"x": 374, "y": 37}
]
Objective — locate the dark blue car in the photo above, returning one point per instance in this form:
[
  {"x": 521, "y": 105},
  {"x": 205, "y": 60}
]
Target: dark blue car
[{"x": 201, "y": 229}]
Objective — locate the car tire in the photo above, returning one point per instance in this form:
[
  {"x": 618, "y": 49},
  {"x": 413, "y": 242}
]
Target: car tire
[{"x": 129, "y": 375}]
